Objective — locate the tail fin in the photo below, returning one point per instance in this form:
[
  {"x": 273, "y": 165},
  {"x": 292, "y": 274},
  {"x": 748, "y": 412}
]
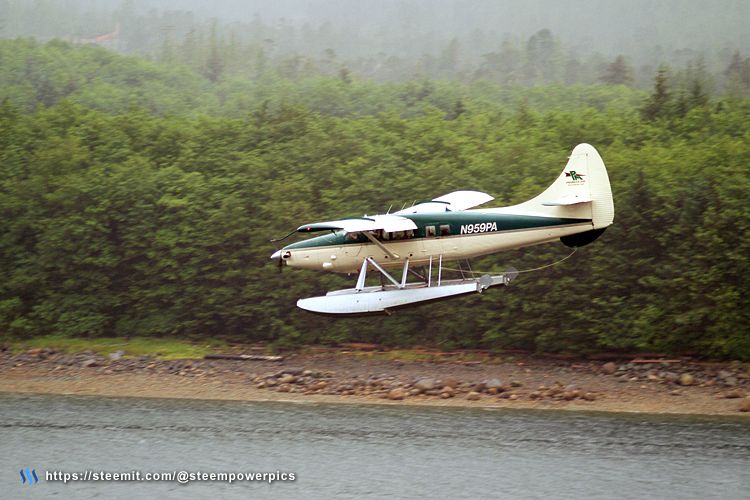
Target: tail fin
[{"x": 581, "y": 191}]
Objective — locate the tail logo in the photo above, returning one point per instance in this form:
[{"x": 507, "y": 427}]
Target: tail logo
[{"x": 575, "y": 177}]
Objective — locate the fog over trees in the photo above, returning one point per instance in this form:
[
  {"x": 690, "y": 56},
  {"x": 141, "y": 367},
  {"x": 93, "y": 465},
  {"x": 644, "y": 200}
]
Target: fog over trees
[{"x": 522, "y": 43}]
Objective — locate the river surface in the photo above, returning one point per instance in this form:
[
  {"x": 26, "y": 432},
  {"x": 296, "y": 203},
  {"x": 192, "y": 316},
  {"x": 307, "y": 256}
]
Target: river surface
[{"x": 367, "y": 451}]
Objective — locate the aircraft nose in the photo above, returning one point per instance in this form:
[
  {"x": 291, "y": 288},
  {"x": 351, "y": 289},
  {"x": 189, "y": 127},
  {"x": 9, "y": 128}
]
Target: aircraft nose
[{"x": 276, "y": 255}]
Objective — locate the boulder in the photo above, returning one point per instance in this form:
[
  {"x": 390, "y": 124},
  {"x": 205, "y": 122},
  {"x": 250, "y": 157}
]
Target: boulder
[
  {"x": 730, "y": 381},
  {"x": 89, "y": 363},
  {"x": 425, "y": 384},
  {"x": 451, "y": 382},
  {"x": 493, "y": 383},
  {"x": 734, "y": 394},
  {"x": 745, "y": 405},
  {"x": 473, "y": 396},
  {"x": 293, "y": 370},
  {"x": 686, "y": 379},
  {"x": 724, "y": 374},
  {"x": 396, "y": 394},
  {"x": 589, "y": 396},
  {"x": 114, "y": 356},
  {"x": 609, "y": 368},
  {"x": 287, "y": 378}
]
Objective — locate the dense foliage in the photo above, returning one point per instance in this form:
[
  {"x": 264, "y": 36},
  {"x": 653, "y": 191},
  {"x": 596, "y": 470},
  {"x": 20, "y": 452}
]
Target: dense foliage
[{"x": 138, "y": 199}]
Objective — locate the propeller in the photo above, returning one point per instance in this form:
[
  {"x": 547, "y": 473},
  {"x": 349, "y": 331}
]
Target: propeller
[{"x": 277, "y": 254}]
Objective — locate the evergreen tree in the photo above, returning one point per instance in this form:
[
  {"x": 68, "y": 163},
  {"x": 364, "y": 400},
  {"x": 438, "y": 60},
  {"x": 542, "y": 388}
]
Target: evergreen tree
[
  {"x": 657, "y": 105},
  {"x": 618, "y": 72}
]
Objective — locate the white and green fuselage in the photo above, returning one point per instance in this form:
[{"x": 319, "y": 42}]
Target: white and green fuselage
[
  {"x": 579, "y": 203},
  {"x": 452, "y": 235}
]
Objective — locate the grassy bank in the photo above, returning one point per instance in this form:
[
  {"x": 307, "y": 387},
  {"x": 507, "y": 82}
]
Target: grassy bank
[{"x": 163, "y": 348}]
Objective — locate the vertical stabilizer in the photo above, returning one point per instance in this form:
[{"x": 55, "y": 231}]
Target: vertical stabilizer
[{"x": 581, "y": 190}]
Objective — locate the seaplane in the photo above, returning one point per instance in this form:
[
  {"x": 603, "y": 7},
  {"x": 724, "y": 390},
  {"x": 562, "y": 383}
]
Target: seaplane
[{"x": 420, "y": 240}]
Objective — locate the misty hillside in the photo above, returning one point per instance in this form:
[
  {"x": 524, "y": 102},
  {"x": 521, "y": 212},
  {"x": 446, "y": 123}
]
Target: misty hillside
[{"x": 521, "y": 43}]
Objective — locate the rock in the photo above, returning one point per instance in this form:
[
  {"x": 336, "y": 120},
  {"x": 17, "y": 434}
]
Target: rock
[
  {"x": 480, "y": 387},
  {"x": 396, "y": 394},
  {"x": 730, "y": 381},
  {"x": 686, "y": 379},
  {"x": 89, "y": 363},
  {"x": 554, "y": 391},
  {"x": 745, "y": 405},
  {"x": 448, "y": 390},
  {"x": 724, "y": 374},
  {"x": 425, "y": 384},
  {"x": 675, "y": 393},
  {"x": 287, "y": 378},
  {"x": 589, "y": 396},
  {"x": 34, "y": 352},
  {"x": 446, "y": 395},
  {"x": 513, "y": 397},
  {"x": 114, "y": 356},
  {"x": 493, "y": 383},
  {"x": 515, "y": 383},
  {"x": 571, "y": 395},
  {"x": 735, "y": 394},
  {"x": 292, "y": 370},
  {"x": 451, "y": 382},
  {"x": 535, "y": 395},
  {"x": 283, "y": 388},
  {"x": 609, "y": 368},
  {"x": 669, "y": 376},
  {"x": 473, "y": 396}
]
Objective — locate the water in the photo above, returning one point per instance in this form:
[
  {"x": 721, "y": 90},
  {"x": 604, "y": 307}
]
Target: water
[{"x": 347, "y": 451}]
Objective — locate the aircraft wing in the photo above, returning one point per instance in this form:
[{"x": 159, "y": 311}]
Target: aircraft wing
[
  {"x": 451, "y": 202},
  {"x": 389, "y": 223}
]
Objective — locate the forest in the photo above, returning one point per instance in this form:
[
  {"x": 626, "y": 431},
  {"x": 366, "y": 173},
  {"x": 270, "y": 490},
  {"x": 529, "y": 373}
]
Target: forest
[{"x": 139, "y": 195}]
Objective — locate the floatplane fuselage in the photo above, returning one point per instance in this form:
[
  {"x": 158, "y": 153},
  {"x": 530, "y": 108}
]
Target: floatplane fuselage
[{"x": 575, "y": 209}]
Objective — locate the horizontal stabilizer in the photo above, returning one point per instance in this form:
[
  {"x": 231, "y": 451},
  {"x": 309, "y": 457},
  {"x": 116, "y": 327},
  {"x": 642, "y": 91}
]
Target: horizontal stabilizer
[{"x": 567, "y": 200}]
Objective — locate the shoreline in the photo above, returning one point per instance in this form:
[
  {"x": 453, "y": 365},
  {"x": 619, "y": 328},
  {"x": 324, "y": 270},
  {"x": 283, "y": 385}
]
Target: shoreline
[{"x": 344, "y": 378}]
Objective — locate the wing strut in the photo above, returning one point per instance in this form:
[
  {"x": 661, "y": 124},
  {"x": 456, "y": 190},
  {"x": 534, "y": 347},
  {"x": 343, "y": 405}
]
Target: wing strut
[{"x": 384, "y": 248}]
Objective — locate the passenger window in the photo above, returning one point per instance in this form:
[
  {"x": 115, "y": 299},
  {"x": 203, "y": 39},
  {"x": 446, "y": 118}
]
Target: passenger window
[
  {"x": 386, "y": 235},
  {"x": 445, "y": 229},
  {"x": 352, "y": 236},
  {"x": 429, "y": 231}
]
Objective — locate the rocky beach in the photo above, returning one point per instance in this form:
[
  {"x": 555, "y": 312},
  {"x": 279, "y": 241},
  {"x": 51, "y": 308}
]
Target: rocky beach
[{"x": 679, "y": 386}]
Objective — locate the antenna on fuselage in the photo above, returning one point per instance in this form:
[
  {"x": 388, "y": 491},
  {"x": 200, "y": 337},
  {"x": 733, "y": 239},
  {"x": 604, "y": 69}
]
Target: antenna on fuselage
[{"x": 389, "y": 209}]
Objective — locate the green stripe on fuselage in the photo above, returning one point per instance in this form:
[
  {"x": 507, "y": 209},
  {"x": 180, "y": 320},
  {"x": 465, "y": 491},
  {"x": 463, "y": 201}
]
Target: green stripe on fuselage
[{"x": 504, "y": 222}]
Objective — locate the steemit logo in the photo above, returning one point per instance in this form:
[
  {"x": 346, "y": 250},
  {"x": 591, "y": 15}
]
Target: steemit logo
[{"x": 29, "y": 476}]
